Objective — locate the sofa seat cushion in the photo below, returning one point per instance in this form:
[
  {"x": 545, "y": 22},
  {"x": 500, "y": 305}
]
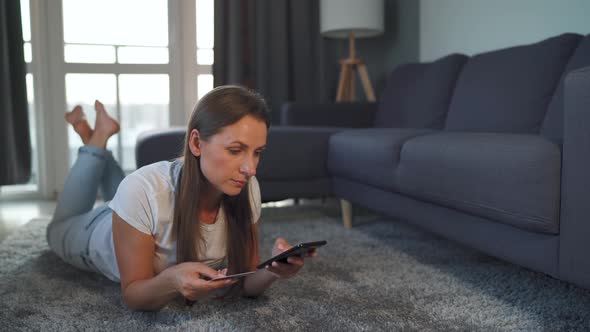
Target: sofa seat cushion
[
  {"x": 369, "y": 155},
  {"x": 510, "y": 178}
]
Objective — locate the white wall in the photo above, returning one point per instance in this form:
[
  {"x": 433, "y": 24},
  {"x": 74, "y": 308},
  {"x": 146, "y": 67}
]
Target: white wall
[{"x": 475, "y": 26}]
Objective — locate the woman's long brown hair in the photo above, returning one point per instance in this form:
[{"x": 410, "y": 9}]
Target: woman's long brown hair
[{"x": 219, "y": 108}]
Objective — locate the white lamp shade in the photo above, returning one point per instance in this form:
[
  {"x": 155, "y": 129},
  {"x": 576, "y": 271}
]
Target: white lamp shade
[{"x": 340, "y": 17}]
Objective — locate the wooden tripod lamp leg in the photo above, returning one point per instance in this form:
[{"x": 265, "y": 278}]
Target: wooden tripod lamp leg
[
  {"x": 345, "y": 80},
  {"x": 366, "y": 82},
  {"x": 351, "y": 78},
  {"x": 346, "y": 84},
  {"x": 340, "y": 93}
]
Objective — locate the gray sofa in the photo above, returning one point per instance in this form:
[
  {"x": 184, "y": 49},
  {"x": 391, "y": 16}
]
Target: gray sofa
[{"x": 492, "y": 151}]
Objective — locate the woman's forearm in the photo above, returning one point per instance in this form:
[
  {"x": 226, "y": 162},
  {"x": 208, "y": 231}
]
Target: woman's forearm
[
  {"x": 257, "y": 283},
  {"x": 150, "y": 294}
]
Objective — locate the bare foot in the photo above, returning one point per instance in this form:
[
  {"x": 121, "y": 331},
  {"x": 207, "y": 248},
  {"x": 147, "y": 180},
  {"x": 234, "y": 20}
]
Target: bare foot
[
  {"x": 77, "y": 119},
  {"x": 104, "y": 127}
]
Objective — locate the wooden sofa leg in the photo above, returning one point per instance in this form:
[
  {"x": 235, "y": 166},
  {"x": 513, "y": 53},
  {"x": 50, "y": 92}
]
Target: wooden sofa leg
[{"x": 346, "y": 208}]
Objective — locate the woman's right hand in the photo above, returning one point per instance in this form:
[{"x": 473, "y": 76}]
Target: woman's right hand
[{"x": 192, "y": 280}]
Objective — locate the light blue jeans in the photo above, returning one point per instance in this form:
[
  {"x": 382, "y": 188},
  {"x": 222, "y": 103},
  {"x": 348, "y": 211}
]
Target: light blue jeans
[{"x": 69, "y": 231}]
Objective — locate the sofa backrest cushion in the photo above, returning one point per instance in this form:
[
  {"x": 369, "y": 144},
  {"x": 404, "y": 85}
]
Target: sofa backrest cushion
[
  {"x": 553, "y": 123},
  {"x": 509, "y": 90},
  {"x": 417, "y": 95}
]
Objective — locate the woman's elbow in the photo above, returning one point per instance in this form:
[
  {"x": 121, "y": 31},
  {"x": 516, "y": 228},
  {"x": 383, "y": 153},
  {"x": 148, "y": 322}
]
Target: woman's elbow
[
  {"x": 252, "y": 294},
  {"x": 135, "y": 304}
]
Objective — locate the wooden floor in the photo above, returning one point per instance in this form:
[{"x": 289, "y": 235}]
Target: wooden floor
[{"x": 15, "y": 214}]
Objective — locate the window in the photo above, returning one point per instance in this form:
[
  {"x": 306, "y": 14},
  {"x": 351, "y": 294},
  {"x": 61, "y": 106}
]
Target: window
[
  {"x": 139, "y": 99},
  {"x": 204, "y": 14},
  {"x": 205, "y": 26},
  {"x": 125, "y": 36},
  {"x": 139, "y": 66}
]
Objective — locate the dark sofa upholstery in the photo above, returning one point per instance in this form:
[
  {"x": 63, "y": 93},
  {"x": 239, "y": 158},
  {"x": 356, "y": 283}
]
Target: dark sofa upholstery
[{"x": 490, "y": 150}]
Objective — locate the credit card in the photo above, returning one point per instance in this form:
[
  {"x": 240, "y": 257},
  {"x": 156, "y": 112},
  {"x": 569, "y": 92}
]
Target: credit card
[{"x": 233, "y": 276}]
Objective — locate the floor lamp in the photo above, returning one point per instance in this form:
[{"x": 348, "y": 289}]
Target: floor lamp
[{"x": 352, "y": 19}]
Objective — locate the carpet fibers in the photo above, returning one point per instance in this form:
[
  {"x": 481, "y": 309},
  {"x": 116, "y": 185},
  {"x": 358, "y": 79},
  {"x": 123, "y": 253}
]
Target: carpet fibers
[{"x": 381, "y": 275}]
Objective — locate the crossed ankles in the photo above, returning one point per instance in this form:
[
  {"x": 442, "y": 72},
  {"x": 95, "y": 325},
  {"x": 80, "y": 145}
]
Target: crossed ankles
[{"x": 104, "y": 127}]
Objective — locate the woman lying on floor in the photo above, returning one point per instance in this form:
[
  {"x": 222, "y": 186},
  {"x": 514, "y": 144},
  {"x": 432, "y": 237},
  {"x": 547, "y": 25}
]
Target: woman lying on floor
[{"x": 169, "y": 227}]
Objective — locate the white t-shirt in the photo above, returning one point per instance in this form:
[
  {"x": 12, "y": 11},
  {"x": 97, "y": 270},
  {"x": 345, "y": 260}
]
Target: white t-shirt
[{"x": 145, "y": 200}]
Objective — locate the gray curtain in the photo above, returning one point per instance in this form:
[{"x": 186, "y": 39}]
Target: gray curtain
[
  {"x": 272, "y": 46},
  {"x": 15, "y": 144}
]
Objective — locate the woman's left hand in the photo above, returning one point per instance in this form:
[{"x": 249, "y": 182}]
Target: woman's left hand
[{"x": 293, "y": 265}]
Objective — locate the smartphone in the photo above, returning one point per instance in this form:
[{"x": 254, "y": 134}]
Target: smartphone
[{"x": 297, "y": 250}]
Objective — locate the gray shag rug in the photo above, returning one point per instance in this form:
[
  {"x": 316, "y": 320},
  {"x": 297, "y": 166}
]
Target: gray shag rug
[{"x": 381, "y": 275}]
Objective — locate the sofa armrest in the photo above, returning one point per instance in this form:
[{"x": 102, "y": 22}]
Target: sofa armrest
[
  {"x": 346, "y": 115},
  {"x": 159, "y": 144},
  {"x": 295, "y": 153},
  {"x": 293, "y": 164},
  {"x": 574, "y": 243}
]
